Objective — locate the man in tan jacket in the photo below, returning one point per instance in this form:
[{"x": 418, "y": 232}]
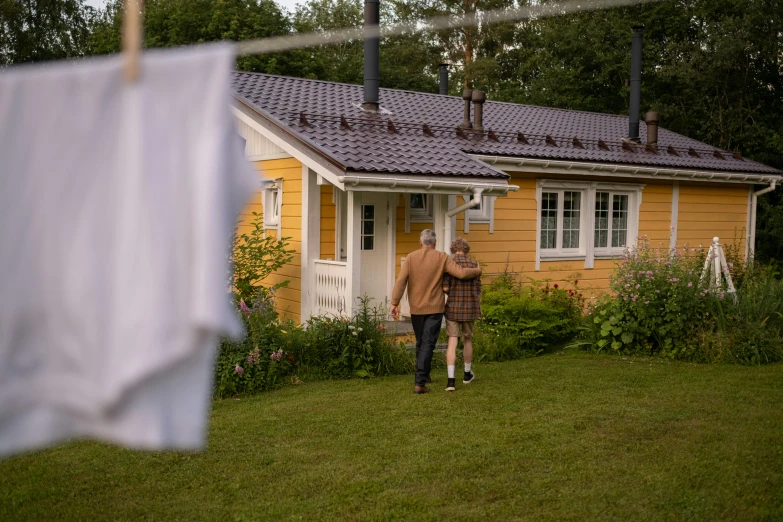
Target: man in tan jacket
[{"x": 422, "y": 273}]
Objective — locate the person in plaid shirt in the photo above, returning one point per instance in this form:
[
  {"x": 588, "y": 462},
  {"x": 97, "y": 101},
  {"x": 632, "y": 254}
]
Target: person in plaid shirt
[{"x": 463, "y": 307}]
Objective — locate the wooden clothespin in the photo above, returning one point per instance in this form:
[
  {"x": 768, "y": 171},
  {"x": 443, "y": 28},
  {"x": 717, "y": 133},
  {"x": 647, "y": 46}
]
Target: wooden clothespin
[{"x": 131, "y": 39}]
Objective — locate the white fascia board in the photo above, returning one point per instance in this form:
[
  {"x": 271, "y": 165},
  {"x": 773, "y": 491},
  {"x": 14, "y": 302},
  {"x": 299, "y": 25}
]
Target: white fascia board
[
  {"x": 420, "y": 183},
  {"x": 571, "y": 168},
  {"x": 268, "y": 130}
]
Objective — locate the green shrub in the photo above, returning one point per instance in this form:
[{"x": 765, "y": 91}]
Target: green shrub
[
  {"x": 525, "y": 320},
  {"x": 254, "y": 257},
  {"x": 749, "y": 326},
  {"x": 339, "y": 347},
  {"x": 275, "y": 352},
  {"x": 658, "y": 303},
  {"x": 660, "y": 306},
  {"x": 262, "y": 360}
]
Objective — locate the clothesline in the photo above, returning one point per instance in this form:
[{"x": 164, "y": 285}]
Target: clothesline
[
  {"x": 132, "y": 30},
  {"x": 297, "y": 41}
]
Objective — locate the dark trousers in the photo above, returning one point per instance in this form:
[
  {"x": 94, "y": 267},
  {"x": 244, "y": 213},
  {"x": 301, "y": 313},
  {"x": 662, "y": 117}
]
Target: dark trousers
[{"x": 426, "y": 328}]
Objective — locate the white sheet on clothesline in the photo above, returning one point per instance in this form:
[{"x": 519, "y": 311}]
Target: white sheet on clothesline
[{"x": 117, "y": 204}]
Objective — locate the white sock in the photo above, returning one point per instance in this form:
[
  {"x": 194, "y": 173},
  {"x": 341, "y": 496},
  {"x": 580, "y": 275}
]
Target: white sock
[
  {"x": 467, "y": 367},
  {"x": 451, "y": 371}
]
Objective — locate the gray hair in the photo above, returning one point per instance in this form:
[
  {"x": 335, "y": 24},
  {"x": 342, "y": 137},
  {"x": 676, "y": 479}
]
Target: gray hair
[{"x": 427, "y": 237}]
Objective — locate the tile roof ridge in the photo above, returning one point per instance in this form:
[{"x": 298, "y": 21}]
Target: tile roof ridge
[
  {"x": 298, "y": 78},
  {"x": 357, "y": 85}
]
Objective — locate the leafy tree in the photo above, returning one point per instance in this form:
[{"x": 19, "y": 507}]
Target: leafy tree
[
  {"x": 170, "y": 23},
  {"x": 37, "y": 30}
]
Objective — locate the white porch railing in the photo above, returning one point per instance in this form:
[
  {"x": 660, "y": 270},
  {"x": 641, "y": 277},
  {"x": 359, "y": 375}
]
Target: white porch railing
[{"x": 331, "y": 288}]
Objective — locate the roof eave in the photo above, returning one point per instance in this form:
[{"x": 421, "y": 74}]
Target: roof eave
[
  {"x": 430, "y": 184},
  {"x": 535, "y": 165}
]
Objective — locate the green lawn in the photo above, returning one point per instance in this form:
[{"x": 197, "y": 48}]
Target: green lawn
[{"x": 571, "y": 436}]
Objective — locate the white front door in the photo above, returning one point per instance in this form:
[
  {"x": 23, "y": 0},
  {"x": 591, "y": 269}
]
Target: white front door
[{"x": 374, "y": 244}]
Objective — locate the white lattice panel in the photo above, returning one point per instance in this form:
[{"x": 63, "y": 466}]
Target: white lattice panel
[{"x": 331, "y": 285}]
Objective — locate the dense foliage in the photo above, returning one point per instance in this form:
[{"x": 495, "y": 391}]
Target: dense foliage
[
  {"x": 661, "y": 305},
  {"x": 522, "y": 320},
  {"x": 254, "y": 257},
  {"x": 276, "y": 352}
]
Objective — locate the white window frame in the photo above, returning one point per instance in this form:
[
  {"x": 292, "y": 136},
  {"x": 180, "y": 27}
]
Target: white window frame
[
  {"x": 586, "y": 250},
  {"x": 418, "y": 215},
  {"x": 609, "y": 251},
  {"x": 485, "y": 215},
  {"x": 273, "y": 204}
]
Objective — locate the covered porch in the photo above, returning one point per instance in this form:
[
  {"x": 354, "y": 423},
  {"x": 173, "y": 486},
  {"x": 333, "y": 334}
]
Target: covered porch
[{"x": 356, "y": 233}]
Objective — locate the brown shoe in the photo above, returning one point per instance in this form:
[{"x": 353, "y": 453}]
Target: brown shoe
[{"x": 419, "y": 390}]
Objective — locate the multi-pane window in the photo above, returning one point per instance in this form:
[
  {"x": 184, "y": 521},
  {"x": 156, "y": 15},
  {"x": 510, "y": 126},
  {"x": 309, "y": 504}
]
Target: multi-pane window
[
  {"x": 368, "y": 227},
  {"x": 561, "y": 220},
  {"x": 586, "y": 218},
  {"x": 611, "y": 220}
]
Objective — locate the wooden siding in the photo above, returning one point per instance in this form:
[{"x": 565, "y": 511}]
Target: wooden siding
[
  {"x": 706, "y": 211},
  {"x": 328, "y": 220},
  {"x": 288, "y": 299},
  {"x": 655, "y": 213}
]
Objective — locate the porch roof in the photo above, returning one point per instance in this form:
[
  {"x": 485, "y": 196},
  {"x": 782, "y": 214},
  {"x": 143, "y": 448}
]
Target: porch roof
[{"x": 417, "y": 133}]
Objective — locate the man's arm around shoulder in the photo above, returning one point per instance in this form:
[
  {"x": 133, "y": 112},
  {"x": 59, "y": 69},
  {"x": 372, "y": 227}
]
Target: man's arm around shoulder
[{"x": 457, "y": 271}]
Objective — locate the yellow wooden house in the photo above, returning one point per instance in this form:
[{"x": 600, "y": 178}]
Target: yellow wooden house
[{"x": 543, "y": 192}]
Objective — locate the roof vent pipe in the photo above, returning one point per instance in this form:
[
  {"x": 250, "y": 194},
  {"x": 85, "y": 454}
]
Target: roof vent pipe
[
  {"x": 636, "y": 84},
  {"x": 479, "y": 97},
  {"x": 651, "y": 119},
  {"x": 467, "y": 95},
  {"x": 371, "y": 56},
  {"x": 444, "y": 78}
]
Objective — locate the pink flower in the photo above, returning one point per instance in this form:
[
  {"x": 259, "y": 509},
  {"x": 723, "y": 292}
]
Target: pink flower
[
  {"x": 638, "y": 286},
  {"x": 690, "y": 285},
  {"x": 244, "y": 307},
  {"x": 239, "y": 369}
]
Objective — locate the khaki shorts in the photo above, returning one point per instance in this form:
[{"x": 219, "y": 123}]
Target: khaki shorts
[{"x": 453, "y": 329}]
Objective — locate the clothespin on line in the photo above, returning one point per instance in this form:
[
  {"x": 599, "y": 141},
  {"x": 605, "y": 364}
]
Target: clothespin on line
[{"x": 131, "y": 40}]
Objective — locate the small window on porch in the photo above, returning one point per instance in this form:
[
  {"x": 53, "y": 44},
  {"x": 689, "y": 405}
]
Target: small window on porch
[
  {"x": 420, "y": 207},
  {"x": 483, "y": 213},
  {"x": 368, "y": 227},
  {"x": 271, "y": 207}
]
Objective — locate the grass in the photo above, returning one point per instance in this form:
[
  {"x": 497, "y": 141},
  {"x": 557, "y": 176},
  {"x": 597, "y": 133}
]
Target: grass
[{"x": 568, "y": 436}]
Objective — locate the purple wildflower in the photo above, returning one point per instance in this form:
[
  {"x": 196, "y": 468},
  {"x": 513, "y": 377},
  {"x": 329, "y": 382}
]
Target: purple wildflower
[
  {"x": 244, "y": 307},
  {"x": 239, "y": 369}
]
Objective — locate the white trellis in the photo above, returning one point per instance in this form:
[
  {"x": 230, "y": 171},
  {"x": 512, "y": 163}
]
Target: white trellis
[{"x": 716, "y": 269}]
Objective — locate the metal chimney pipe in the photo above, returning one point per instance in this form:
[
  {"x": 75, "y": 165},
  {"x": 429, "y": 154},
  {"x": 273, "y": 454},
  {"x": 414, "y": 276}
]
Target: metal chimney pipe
[
  {"x": 372, "y": 49},
  {"x": 651, "y": 118},
  {"x": 636, "y": 84},
  {"x": 444, "y": 78},
  {"x": 479, "y": 97},
  {"x": 467, "y": 94}
]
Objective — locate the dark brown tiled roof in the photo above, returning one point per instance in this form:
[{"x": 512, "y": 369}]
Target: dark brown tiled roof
[{"x": 419, "y": 134}]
